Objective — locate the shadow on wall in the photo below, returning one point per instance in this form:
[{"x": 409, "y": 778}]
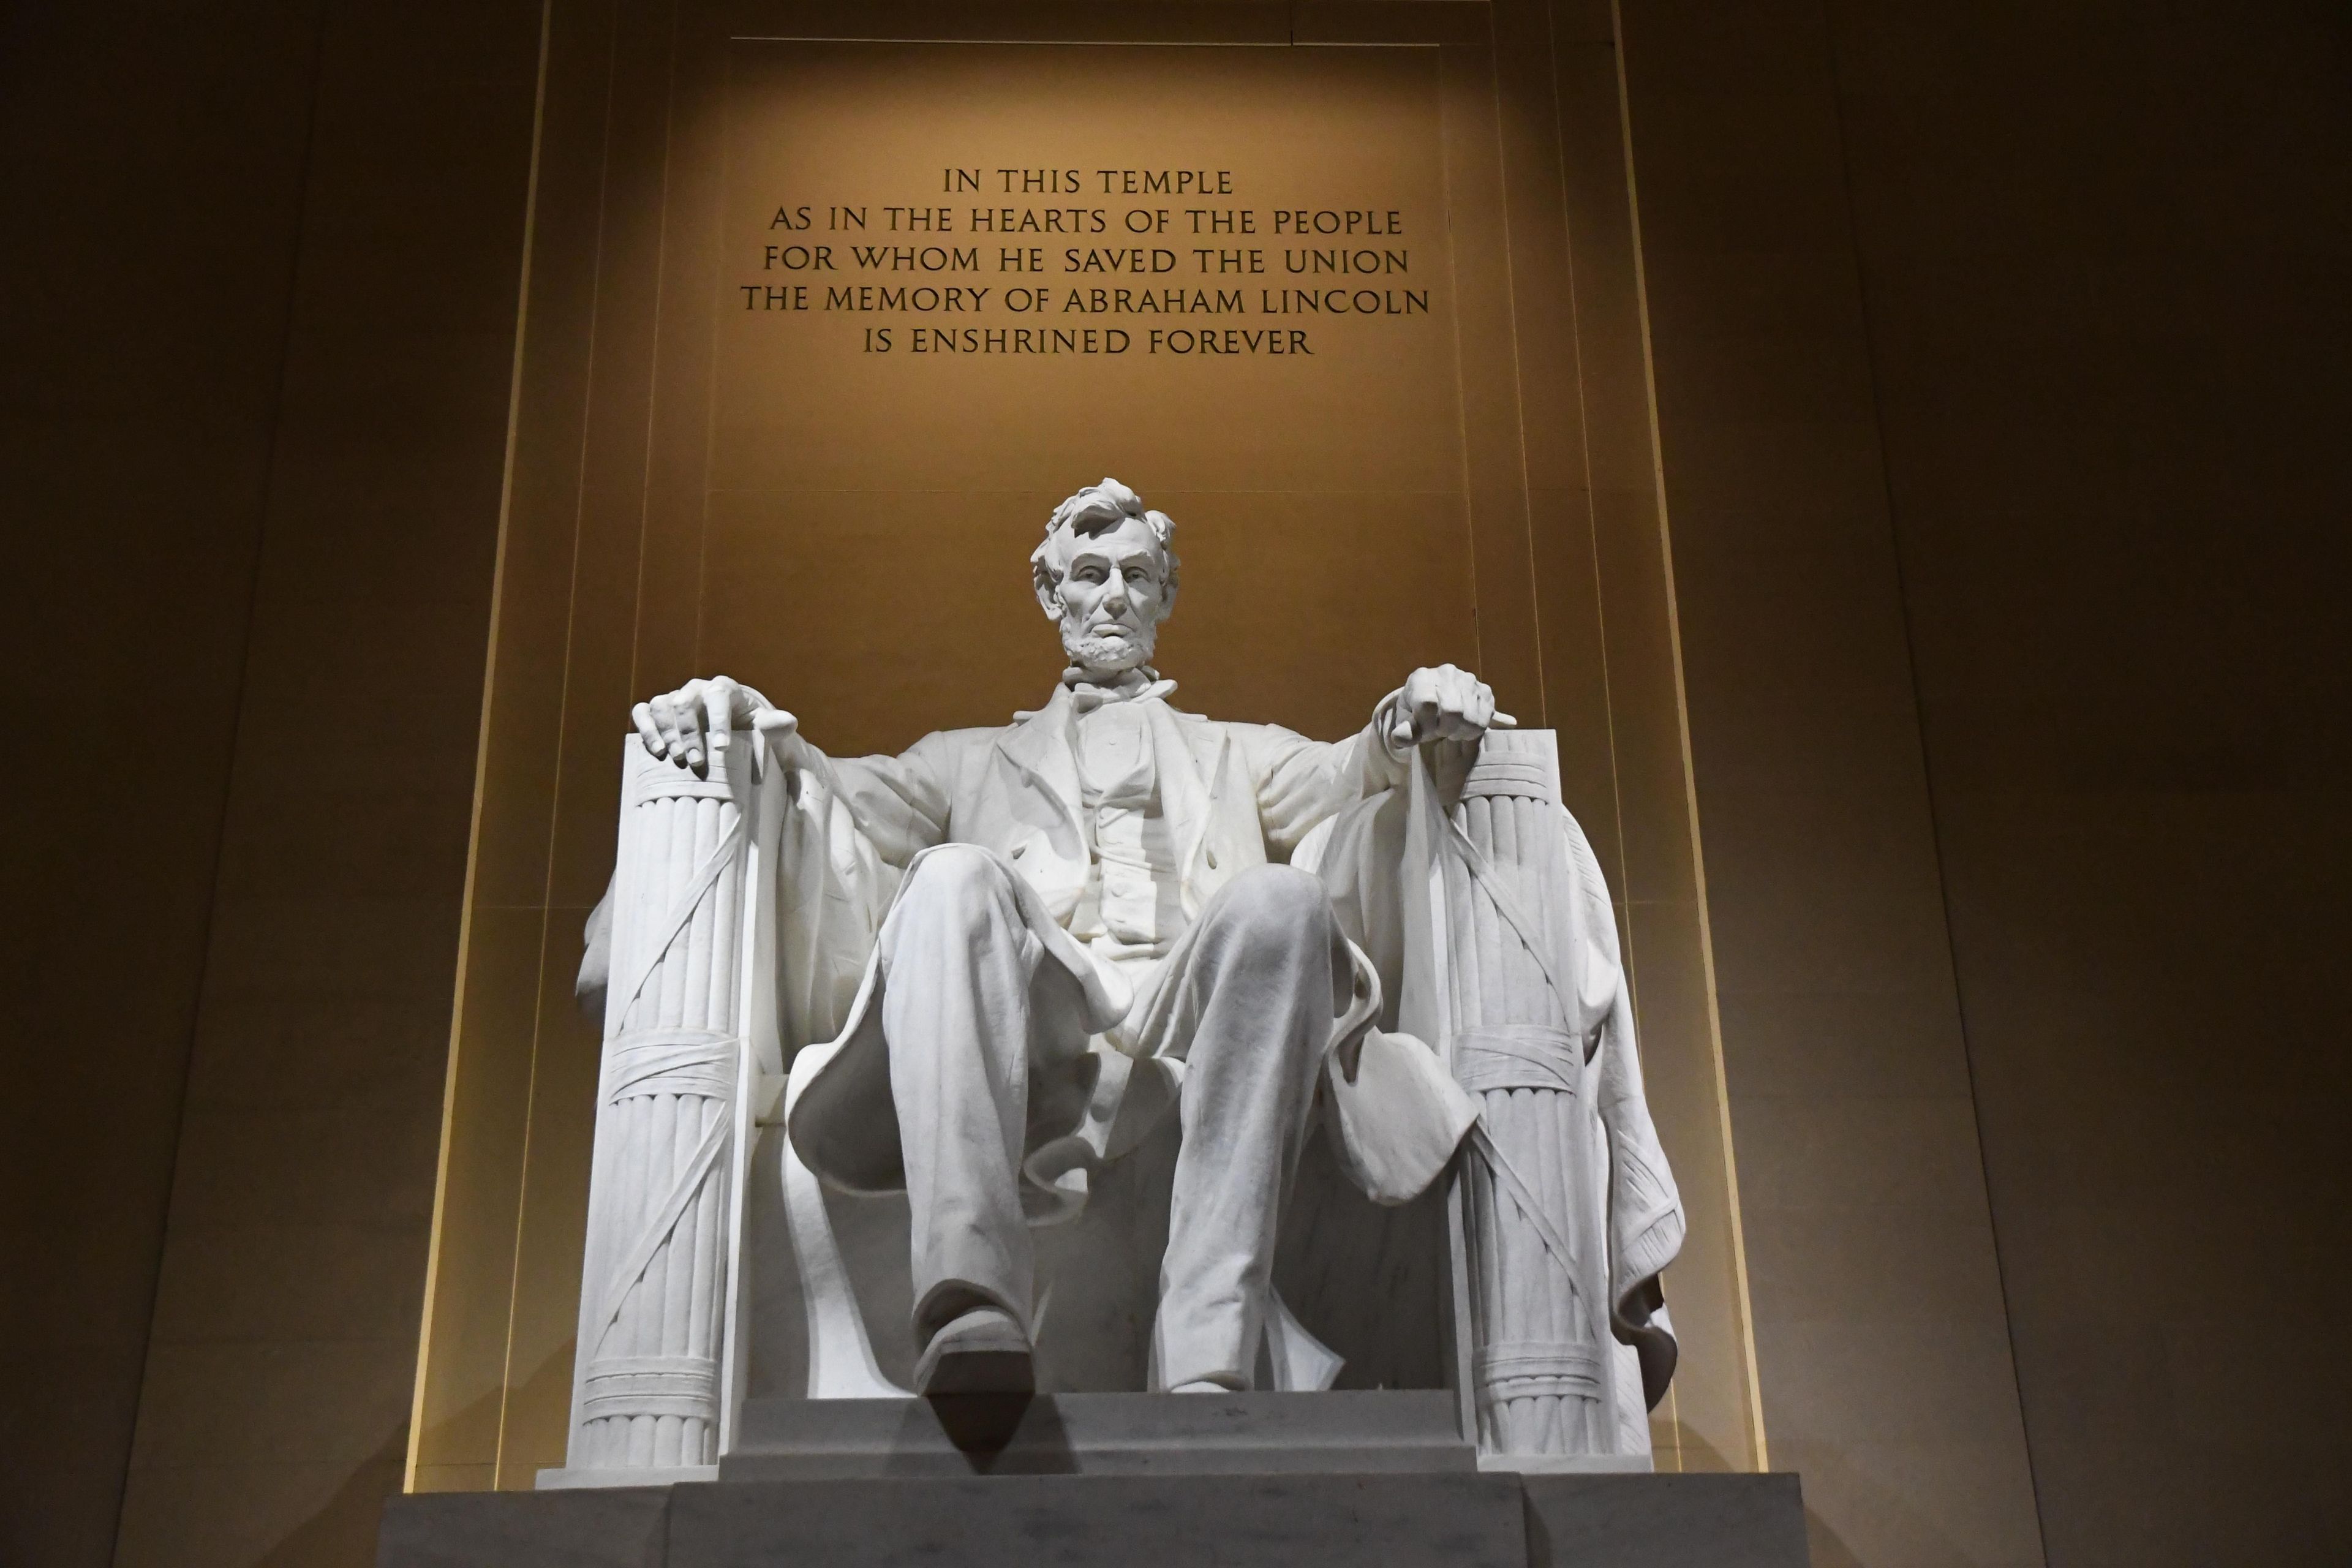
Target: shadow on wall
[
  {"x": 1899, "y": 1531},
  {"x": 545, "y": 1392},
  {"x": 1676, "y": 1447},
  {"x": 344, "y": 1529},
  {"x": 1903, "y": 1533},
  {"x": 1822, "y": 1543}
]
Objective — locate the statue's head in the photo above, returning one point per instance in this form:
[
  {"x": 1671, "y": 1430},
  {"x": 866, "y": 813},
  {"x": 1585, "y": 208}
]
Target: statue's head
[{"x": 1106, "y": 574}]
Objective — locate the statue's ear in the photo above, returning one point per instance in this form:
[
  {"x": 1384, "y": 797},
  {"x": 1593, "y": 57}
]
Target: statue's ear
[{"x": 1047, "y": 582}]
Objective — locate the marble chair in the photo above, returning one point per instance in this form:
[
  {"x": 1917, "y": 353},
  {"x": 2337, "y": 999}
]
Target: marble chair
[{"x": 1536, "y": 1258}]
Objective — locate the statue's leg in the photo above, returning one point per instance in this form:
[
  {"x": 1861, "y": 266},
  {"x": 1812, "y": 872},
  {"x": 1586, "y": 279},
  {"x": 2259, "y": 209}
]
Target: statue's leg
[
  {"x": 1262, "y": 977},
  {"x": 960, "y": 1003}
]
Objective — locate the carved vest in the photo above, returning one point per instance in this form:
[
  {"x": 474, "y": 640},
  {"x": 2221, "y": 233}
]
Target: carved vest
[{"x": 1132, "y": 907}]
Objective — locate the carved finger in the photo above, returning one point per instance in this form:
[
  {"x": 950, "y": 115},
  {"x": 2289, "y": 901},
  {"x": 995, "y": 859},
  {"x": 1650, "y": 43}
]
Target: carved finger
[
  {"x": 672, "y": 733},
  {"x": 1453, "y": 701},
  {"x": 686, "y": 704},
  {"x": 646, "y": 732},
  {"x": 1482, "y": 705},
  {"x": 718, "y": 711}
]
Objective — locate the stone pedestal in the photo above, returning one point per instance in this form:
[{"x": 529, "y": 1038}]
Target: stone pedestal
[
  {"x": 1134, "y": 1482},
  {"x": 1362, "y": 1433}
]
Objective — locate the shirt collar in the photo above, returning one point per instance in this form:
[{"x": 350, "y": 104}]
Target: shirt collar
[{"x": 1133, "y": 686}]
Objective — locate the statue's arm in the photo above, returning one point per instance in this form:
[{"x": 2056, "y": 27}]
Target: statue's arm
[
  {"x": 901, "y": 802},
  {"x": 1302, "y": 783}
]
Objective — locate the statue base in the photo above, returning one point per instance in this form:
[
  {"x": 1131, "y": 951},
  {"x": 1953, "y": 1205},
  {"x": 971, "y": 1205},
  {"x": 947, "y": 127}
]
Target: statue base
[
  {"x": 1140, "y": 1481},
  {"x": 1099, "y": 1435}
]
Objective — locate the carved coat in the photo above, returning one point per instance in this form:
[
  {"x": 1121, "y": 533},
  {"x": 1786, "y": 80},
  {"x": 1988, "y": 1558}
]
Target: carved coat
[
  {"x": 1233, "y": 796},
  {"x": 840, "y": 835}
]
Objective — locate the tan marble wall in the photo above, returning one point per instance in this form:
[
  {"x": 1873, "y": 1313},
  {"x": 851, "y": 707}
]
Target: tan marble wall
[
  {"x": 682, "y": 487},
  {"x": 1881, "y": 1337},
  {"x": 2084, "y": 328},
  {"x": 273, "y": 1408},
  {"x": 2103, "y": 275},
  {"x": 143, "y": 284},
  {"x": 1997, "y": 351}
]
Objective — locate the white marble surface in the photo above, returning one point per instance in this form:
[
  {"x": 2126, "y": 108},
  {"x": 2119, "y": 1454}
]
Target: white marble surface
[
  {"x": 1018, "y": 951},
  {"x": 1351, "y": 1433}
]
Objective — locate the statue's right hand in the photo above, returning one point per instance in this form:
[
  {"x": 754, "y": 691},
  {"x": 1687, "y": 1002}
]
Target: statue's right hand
[{"x": 687, "y": 725}]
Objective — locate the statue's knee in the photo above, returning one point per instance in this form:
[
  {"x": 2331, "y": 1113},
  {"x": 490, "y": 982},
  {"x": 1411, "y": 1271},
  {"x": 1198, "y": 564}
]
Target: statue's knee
[
  {"x": 1278, "y": 904},
  {"x": 958, "y": 879}
]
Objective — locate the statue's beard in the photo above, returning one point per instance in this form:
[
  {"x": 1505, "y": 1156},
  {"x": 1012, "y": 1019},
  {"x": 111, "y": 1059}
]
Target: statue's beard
[{"x": 1103, "y": 655}]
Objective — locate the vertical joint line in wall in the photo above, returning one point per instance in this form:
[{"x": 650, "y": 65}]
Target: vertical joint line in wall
[
  {"x": 1690, "y": 766},
  {"x": 653, "y": 357},
  {"x": 1446, "y": 134},
  {"x": 1630, "y": 937},
  {"x": 710, "y": 424},
  {"x": 236, "y": 736},
  {"x": 1519, "y": 374},
  {"x": 1927, "y": 771},
  {"x": 514, "y": 424},
  {"x": 1608, "y": 686},
  {"x": 1592, "y": 513}
]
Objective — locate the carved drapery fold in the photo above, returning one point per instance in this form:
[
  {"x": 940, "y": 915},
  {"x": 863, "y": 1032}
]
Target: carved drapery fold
[{"x": 1564, "y": 1206}]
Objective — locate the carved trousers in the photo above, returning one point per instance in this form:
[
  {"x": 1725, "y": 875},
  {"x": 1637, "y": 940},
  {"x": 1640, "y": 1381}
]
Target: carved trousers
[{"x": 985, "y": 1036}]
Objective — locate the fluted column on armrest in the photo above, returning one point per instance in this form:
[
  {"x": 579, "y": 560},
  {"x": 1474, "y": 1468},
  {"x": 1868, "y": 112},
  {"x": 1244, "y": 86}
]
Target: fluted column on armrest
[
  {"x": 1541, "y": 1355},
  {"x": 654, "y": 1284}
]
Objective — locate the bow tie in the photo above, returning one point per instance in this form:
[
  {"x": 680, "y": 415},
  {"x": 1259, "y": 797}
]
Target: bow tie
[{"x": 1086, "y": 696}]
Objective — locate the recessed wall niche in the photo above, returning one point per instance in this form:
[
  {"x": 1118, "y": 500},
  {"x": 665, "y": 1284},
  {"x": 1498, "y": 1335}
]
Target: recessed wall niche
[{"x": 817, "y": 329}]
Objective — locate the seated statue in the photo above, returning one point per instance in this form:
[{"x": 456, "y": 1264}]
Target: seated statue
[
  {"x": 1018, "y": 951},
  {"x": 1093, "y": 926}
]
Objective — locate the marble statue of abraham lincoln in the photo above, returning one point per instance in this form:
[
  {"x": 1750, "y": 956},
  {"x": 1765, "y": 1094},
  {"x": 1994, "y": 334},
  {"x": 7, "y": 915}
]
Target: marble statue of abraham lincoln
[{"x": 1072, "y": 928}]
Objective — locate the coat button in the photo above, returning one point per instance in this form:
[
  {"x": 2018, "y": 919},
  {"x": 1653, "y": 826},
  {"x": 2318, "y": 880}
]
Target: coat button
[
  {"x": 1213, "y": 859},
  {"x": 1020, "y": 850}
]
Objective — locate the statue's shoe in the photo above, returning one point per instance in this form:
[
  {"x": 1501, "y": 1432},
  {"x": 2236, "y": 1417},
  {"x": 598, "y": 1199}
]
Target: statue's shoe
[{"x": 983, "y": 1352}]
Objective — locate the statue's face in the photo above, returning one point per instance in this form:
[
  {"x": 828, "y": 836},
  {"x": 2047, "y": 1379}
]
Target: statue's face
[{"x": 1112, "y": 597}]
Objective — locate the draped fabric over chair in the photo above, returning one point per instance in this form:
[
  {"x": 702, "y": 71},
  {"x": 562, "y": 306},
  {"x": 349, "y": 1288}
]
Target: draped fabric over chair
[{"x": 744, "y": 905}]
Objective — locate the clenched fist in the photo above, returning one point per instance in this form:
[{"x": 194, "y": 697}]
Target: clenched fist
[{"x": 1443, "y": 704}]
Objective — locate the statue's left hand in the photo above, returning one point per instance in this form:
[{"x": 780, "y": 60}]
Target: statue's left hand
[{"x": 1445, "y": 704}]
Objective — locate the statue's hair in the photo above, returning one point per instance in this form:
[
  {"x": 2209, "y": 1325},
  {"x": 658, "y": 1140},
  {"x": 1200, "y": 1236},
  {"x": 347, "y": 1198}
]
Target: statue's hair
[{"x": 1099, "y": 509}]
